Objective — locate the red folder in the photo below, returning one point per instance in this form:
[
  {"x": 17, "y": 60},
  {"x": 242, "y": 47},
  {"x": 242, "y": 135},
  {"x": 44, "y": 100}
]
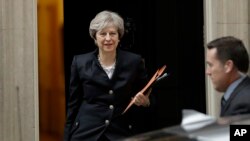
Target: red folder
[{"x": 157, "y": 74}]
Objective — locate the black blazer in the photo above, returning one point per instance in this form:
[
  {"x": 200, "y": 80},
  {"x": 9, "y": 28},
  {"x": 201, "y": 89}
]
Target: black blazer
[
  {"x": 239, "y": 101},
  {"x": 96, "y": 102}
]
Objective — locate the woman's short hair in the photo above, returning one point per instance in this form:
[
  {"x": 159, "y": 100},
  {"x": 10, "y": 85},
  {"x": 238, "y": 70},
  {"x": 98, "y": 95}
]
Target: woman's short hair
[{"x": 105, "y": 19}]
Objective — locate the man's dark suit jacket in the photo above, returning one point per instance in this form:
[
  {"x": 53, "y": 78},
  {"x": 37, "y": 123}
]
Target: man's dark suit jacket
[
  {"x": 239, "y": 101},
  {"x": 96, "y": 102}
]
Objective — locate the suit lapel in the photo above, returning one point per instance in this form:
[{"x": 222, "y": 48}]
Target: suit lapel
[{"x": 235, "y": 92}]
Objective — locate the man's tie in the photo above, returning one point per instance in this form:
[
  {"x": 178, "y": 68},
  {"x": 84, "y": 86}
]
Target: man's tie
[{"x": 223, "y": 103}]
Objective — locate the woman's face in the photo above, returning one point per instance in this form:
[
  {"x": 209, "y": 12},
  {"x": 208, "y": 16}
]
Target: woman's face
[{"x": 107, "y": 39}]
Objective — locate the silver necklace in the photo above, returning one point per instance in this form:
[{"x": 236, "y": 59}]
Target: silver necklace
[
  {"x": 104, "y": 66},
  {"x": 108, "y": 69}
]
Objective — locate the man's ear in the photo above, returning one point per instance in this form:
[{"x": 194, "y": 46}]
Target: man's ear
[{"x": 229, "y": 66}]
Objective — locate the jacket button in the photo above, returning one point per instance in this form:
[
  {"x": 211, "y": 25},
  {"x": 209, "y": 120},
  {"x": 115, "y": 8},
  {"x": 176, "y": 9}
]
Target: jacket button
[
  {"x": 111, "y": 107},
  {"x": 111, "y": 92},
  {"x": 107, "y": 122},
  {"x": 76, "y": 124}
]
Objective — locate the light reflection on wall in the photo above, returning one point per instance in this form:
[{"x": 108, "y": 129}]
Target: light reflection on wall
[{"x": 51, "y": 70}]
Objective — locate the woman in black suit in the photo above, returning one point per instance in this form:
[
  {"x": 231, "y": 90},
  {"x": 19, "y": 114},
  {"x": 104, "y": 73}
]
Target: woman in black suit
[{"x": 102, "y": 84}]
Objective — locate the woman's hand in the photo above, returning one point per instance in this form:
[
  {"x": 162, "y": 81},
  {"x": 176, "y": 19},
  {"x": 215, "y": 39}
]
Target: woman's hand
[{"x": 142, "y": 100}]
